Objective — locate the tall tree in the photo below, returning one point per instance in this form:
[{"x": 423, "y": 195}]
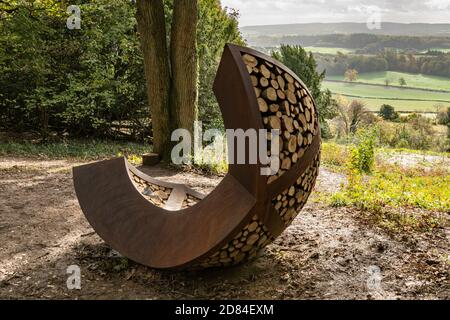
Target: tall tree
[
  {"x": 304, "y": 65},
  {"x": 152, "y": 29},
  {"x": 183, "y": 58},
  {"x": 172, "y": 76}
]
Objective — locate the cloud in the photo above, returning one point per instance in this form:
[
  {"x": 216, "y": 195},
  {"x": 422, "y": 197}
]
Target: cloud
[{"x": 258, "y": 12}]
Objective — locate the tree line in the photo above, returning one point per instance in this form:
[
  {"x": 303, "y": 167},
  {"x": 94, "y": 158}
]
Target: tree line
[
  {"x": 388, "y": 60},
  {"x": 364, "y": 43}
]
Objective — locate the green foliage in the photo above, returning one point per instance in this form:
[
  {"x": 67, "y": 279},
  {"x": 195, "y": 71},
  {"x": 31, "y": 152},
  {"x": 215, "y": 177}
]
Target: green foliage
[
  {"x": 392, "y": 187},
  {"x": 362, "y": 156},
  {"x": 334, "y": 155},
  {"x": 304, "y": 65},
  {"x": 387, "y": 112},
  {"x": 76, "y": 81},
  {"x": 90, "y": 82},
  {"x": 216, "y": 28}
]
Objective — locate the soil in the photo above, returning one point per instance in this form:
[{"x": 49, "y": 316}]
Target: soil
[{"x": 327, "y": 253}]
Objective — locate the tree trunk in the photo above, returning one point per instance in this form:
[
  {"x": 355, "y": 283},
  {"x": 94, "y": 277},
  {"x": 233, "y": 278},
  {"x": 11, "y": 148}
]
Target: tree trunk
[
  {"x": 152, "y": 29},
  {"x": 183, "y": 58}
]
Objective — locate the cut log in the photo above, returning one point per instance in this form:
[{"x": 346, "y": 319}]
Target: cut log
[
  {"x": 288, "y": 124},
  {"x": 263, "y": 107},
  {"x": 254, "y": 80},
  {"x": 286, "y": 164},
  {"x": 285, "y": 108},
  {"x": 289, "y": 78},
  {"x": 303, "y": 121},
  {"x": 308, "y": 115},
  {"x": 274, "y": 123},
  {"x": 274, "y": 84},
  {"x": 300, "y": 140},
  {"x": 294, "y": 158},
  {"x": 257, "y": 92},
  {"x": 270, "y": 94},
  {"x": 281, "y": 82},
  {"x": 274, "y": 108},
  {"x": 250, "y": 60},
  {"x": 307, "y": 102},
  {"x": 291, "y": 191},
  {"x": 264, "y": 82},
  {"x": 291, "y": 87},
  {"x": 265, "y": 72},
  {"x": 291, "y": 97},
  {"x": 291, "y": 144},
  {"x": 281, "y": 94}
]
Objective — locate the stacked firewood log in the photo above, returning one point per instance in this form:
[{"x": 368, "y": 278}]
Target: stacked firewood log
[{"x": 286, "y": 105}]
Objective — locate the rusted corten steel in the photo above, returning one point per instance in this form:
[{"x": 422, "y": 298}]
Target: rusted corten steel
[{"x": 170, "y": 226}]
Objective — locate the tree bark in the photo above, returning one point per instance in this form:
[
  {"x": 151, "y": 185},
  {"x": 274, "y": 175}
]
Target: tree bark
[
  {"x": 183, "y": 58},
  {"x": 152, "y": 29}
]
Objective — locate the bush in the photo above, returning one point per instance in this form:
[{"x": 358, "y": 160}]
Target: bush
[
  {"x": 362, "y": 156},
  {"x": 388, "y": 113}
]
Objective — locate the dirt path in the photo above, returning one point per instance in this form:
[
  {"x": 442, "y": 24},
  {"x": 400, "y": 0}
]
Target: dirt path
[{"x": 327, "y": 253}]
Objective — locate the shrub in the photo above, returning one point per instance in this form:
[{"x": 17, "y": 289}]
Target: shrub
[
  {"x": 362, "y": 156},
  {"x": 388, "y": 112}
]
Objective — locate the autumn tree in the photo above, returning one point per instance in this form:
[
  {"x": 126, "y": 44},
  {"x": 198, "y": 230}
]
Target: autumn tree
[
  {"x": 171, "y": 70},
  {"x": 351, "y": 75}
]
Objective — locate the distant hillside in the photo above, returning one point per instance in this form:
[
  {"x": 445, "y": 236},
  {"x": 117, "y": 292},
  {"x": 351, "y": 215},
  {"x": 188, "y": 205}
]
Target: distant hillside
[{"x": 388, "y": 28}]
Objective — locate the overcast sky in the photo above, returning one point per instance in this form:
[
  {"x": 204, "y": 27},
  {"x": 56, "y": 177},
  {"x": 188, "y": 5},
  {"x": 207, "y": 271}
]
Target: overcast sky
[{"x": 260, "y": 12}]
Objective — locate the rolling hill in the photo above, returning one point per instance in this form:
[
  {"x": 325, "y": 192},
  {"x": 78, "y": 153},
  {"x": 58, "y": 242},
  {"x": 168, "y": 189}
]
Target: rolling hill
[{"x": 388, "y": 28}]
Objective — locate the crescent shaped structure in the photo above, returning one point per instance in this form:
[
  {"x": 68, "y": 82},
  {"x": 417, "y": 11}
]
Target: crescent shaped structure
[{"x": 170, "y": 226}]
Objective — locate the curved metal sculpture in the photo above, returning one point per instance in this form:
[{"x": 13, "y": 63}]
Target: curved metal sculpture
[{"x": 166, "y": 226}]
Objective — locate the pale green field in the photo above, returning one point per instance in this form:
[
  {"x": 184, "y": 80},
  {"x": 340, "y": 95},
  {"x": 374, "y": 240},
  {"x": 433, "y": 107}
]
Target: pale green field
[
  {"x": 405, "y": 100},
  {"x": 446, "y": 50},
  {"x": 412, "y": 80},
  {"x": 402, "y": 105},
  {"x": 326, "y": 50}
]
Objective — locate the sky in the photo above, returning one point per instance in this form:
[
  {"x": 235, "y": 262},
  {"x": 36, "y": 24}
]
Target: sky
[{"x": 263, "y": 12}]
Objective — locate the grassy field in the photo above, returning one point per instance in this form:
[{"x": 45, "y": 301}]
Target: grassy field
[
  {"x": 420, "y": 81},
  {"x": 406, "y": 100},
  {"x": 445, "y": 50},
  {"x": 326, "y": 50}
]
